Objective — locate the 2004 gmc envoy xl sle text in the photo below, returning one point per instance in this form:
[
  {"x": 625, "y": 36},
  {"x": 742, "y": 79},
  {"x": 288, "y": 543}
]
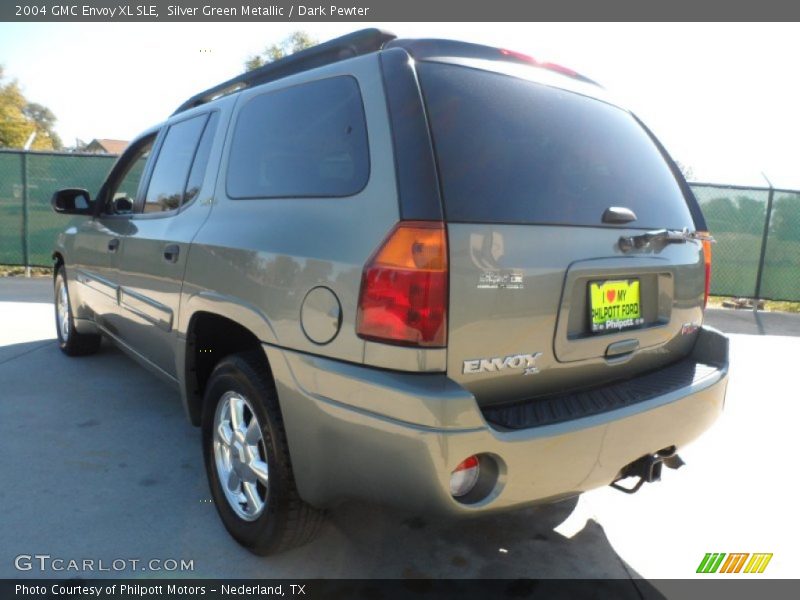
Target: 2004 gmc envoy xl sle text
[{"x": 421, "y": 272}]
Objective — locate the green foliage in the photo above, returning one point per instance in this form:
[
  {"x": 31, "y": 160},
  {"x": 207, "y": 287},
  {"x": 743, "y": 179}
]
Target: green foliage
[
  {"x": 19, "y": 118},
  {"x": 298, "y": 40},
  {"x": 751, "y": 214},
  {"x": 786, "y": 218},
  {"x": 738, "y": 215},
  {"x": 720, "y": 213},
  {"x": 44, "y": 121}
]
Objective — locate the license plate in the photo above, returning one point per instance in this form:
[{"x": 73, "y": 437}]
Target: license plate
[{"x": 614, "y": 305}]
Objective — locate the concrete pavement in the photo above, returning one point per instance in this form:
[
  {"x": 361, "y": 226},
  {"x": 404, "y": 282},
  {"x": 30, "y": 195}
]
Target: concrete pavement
[{"x": 99, "y": 462}]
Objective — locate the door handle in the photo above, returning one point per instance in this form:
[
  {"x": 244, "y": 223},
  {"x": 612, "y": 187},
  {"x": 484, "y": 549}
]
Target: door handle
[
  {"x": 113, "y": 244},
  {"x": 171, "y": 253}
]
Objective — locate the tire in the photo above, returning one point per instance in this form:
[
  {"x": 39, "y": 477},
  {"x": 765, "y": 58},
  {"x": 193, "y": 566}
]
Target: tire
[
  {"x": 254, "y": 461},
  {"x": 70, "y": 341}
]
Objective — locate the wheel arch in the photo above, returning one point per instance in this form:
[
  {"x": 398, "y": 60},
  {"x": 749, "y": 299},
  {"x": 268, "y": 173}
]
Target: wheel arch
[
  {"x": 58, "y": 261},
  {"x": 210, "y": 337}
]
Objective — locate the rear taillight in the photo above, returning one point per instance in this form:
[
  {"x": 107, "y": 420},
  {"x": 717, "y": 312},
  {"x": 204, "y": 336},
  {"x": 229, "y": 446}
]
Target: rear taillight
[
  {"x": 707, "y": 262},
  {"x": 404, "y": 287}
]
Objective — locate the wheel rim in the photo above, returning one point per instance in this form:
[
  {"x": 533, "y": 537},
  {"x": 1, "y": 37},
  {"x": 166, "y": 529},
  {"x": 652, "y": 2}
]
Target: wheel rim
[
  {"x": 240, "y": 456},
  {"x": 62, "y": 311}
]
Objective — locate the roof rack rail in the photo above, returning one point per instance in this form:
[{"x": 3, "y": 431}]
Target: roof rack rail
[{"x": 347, "y": 46}]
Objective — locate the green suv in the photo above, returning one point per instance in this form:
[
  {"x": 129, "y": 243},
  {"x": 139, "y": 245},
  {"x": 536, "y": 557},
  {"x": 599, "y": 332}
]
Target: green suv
[{"x": 425, "y": 273}]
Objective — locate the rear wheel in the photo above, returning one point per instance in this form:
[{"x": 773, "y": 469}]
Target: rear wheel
[
  {"x": 70, "y": 341},
  {"x": 247, "y": 459}
]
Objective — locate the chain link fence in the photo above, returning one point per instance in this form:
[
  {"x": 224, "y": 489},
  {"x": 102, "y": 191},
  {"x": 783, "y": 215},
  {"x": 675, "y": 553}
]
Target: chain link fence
[
  {"x": 28, "y": 225},
  {"x": 757, "y": 254}
]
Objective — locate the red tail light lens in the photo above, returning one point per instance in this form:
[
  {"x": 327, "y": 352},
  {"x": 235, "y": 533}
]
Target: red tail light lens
[
  {"x": 707, "y": 261},
  {"x": 404, "y": 288}
]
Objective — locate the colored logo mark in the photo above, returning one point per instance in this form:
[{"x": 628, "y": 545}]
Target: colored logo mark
[{"x": 716, "y": 562}]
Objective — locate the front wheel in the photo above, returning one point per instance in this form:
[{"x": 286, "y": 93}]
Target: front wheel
[
  {"x": 70, "y": 341},
  {"x": 247, "y": 459}
]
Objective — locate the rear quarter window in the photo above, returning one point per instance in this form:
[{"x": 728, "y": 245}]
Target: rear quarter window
[
  {"x": 514, "y": 151},
  {"x": 308, "y": 140}
]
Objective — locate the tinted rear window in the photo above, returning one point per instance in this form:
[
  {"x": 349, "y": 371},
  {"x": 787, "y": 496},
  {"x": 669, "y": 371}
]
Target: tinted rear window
[
  {"x": 306, "y": 140},
  {"x": 514, "y": 151}
]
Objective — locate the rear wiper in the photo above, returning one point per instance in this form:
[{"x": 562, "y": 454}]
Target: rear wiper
[{"x": 662, "y": 237}]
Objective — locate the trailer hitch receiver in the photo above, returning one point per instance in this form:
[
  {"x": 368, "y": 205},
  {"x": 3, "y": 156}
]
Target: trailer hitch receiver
[{"x": 648, "y": 469}]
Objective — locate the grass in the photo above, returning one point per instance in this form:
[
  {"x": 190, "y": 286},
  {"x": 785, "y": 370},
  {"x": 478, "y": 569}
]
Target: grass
[
  {"x": 792, "y": 307},
  {"x": 17, "y": 271}
]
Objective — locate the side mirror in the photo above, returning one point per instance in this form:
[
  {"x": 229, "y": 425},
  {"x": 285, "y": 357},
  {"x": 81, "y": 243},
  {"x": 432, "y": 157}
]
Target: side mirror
[
  {"x": 72, "y": 201},
  {"x": 122, "y": 205}
]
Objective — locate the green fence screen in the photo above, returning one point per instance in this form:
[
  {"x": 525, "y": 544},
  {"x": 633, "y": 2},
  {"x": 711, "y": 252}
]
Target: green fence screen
[
  {"x": 28, "y": 226},
  {"x": 737, "y": 216},
  {"x": 750, "y": 259}
]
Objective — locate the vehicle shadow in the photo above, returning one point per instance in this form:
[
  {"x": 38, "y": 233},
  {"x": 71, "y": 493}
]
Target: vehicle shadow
[
  {"x": 376, "y": 542},
  {"x": 131, "y": 482},
  {"x": 13, "y": 351}
]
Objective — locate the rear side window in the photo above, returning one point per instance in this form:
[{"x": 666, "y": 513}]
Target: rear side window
[
  {"x": 514, "y": 151},
  {"x": 198, "y": 172},
  {"x": 167, "y": 184},
  {"x": 306, "y": 140}
]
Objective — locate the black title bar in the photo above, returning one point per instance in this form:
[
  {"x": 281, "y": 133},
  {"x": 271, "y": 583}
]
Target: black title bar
[
  {"x": 394, "y": 10},
  {"x": 391, "y": 589}
]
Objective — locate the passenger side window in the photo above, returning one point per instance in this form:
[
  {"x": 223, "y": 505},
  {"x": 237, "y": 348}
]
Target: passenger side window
[
  {"x": 305, "y": 140},
  {"x": 168, "y": 182}
]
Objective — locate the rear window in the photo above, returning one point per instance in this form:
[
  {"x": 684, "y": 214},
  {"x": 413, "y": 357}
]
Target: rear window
[
  {"x": 514, "y": 151},
  {"x": 306, "y": 140}
]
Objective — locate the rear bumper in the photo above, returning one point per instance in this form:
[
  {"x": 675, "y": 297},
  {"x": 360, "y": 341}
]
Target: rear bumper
[{"x": 393, "y": 438}]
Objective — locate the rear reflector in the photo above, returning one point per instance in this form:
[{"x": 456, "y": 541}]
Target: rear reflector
[
  {"x": 404, "y": 287},
  {"x": 464, "y": 477},
  {"x": 707, "y": 262}
]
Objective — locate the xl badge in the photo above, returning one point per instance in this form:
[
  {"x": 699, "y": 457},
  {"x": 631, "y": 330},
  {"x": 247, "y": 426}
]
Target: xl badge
[{"x": 526, "y": 362}]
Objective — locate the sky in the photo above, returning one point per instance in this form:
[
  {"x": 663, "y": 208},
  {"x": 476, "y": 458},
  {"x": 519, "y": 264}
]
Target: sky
[{"x": 723, "y": 98}]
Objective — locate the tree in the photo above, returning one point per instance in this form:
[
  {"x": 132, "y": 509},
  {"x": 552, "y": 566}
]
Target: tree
[
  {"x": 751, "y": 215},
  {"x": 19, "y": 118},
  {"x": 296, "y": 41},
  {"x": 44, "y": 121},
  {"x": 722, "y": 214},
  {"x": 786, "y": 218},
  {"x": 14, "y": 126}
]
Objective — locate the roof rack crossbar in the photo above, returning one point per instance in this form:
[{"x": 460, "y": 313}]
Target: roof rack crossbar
[{"x": 353, "y": 44}]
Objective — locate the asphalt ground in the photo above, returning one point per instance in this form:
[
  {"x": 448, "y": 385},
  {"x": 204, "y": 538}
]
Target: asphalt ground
[{"x": 98, "y": 462}]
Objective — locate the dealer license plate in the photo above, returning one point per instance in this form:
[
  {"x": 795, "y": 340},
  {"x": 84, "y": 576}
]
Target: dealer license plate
[{"x": 614, "y": 305}]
